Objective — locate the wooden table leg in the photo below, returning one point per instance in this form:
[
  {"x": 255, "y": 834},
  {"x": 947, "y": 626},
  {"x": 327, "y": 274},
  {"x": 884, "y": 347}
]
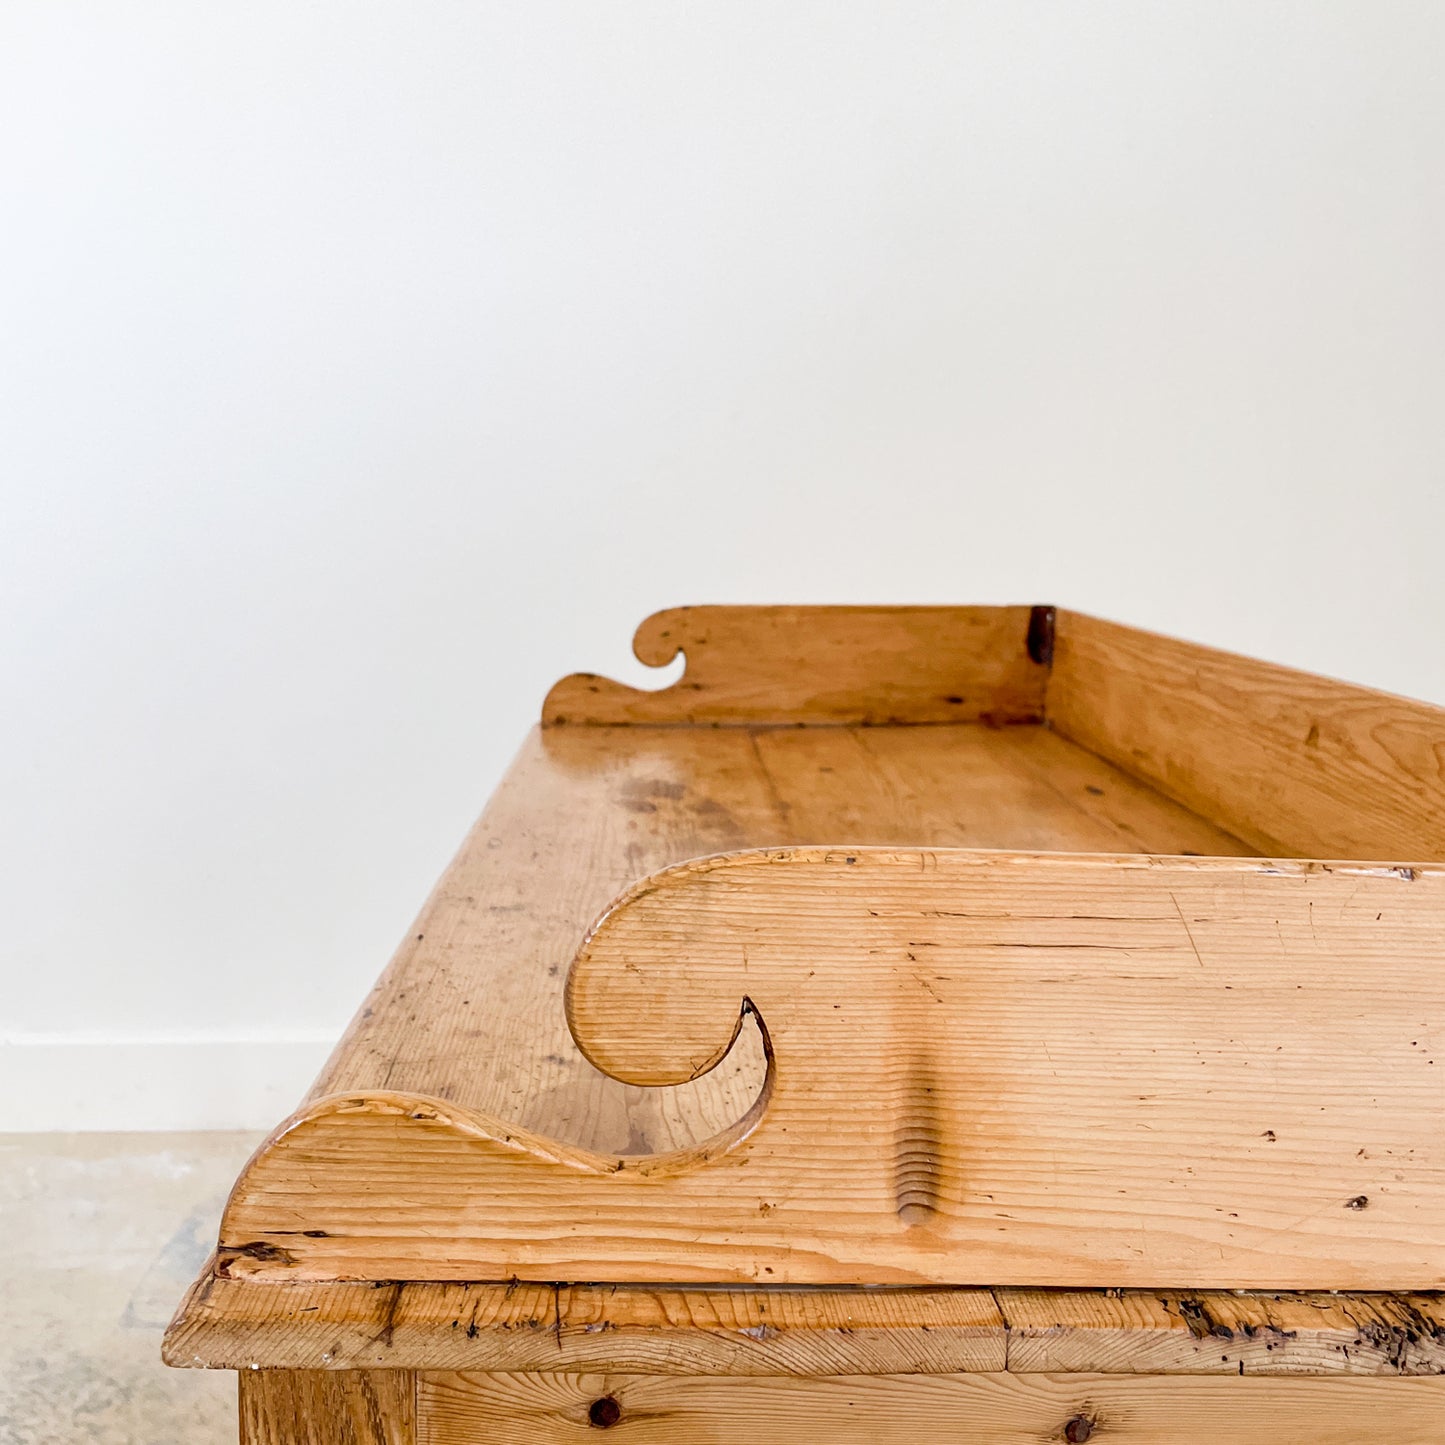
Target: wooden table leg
[{"x": 328, "y": 1407}]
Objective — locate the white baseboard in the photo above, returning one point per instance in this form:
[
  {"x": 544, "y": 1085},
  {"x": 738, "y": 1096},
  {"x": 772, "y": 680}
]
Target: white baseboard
[{"x": 72, "y": 1083}]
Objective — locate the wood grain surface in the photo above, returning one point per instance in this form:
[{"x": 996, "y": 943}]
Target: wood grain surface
[
  {"x": 1066, "y": 1048},
  {"x": 983, "y": 1409},
  {"x": 823, "y": 665},
  {"x": 1223, "y": 1332},
  {"x": 471, "y": 1009},
  {"x": 1025, "y": 1069},
  {"x": 660, "y": 1330},
  {"x": 318, "y": 1407},
  {"x": 1291, "y": 762}
]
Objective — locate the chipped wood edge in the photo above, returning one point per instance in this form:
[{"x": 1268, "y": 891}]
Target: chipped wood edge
[{"x": 511, "y": 1326}]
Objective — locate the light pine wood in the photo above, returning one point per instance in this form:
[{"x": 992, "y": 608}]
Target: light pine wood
[
  {"x": 545, "y": 1327},
  {"x": 1223, "y": 1332},
  {"x": 471, "y": 1009},
  {"x": 1019, "y": 788},
  {"x": 873, "y": 665},
  {"x": 315, "y": 1407},
  {"x": 235, "y": 1324},
  {"x": 1057, "y": 1082},
  {"x": 1290, "y": 762},
  {"x": 1028, "y": 1069},
  {"x": 980, "y": 1409}
]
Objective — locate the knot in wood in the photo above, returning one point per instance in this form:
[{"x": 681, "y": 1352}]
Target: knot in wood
[{"x": 604, "y": 1412}]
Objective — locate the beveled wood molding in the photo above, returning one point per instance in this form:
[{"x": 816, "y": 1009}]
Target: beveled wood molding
[
  {"x": 1190, "y": 1073},
  {"x": 826, "y": 665}
]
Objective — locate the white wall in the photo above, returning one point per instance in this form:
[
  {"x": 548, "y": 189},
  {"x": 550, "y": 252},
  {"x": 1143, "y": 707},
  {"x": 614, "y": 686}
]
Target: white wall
[{"x": 366, "y": 366}]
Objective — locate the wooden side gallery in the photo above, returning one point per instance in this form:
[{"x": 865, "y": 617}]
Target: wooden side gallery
[{"x": 967, "y": 1024}]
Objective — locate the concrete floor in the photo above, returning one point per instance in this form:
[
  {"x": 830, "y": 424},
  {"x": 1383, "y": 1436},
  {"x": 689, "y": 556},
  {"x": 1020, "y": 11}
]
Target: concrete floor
[{"x": 99, "y": 1236}]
